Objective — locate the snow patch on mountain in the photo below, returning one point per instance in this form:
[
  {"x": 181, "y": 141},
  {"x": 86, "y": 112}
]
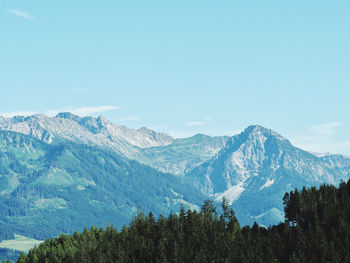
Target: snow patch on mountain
[
  {"x": 268, "y": 183},
  {"x": 319, "y": 154},
  {"x": 231, "y": 194}
]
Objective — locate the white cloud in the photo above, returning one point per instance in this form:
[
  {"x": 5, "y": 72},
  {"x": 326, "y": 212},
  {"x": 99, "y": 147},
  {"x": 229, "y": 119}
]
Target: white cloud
[
  {"x": 82, "y": 111},
  {"x": 198, "y": 123},
  {"x": 21, "y": 14},
  {"x": 321, "y": 146},
  {"x": 326, "y": 128},
  {"x": 195, "y": 123},
  {"x": 322, "y": 138}
]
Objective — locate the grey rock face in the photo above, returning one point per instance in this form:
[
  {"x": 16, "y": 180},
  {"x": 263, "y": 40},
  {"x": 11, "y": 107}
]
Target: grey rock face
[
  {"x": 158, "y": 150},
  {"x": 256, "y": 168},
  {"x": 182, "y": 155},
  {"x": 88, "y": 130}
]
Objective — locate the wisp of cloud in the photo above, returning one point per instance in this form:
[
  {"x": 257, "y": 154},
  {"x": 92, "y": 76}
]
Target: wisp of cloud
[{"x": 21, "y": 14}]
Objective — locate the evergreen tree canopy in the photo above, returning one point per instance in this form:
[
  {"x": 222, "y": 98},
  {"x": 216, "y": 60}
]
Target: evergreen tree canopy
[{"x": 316, "y": 229}]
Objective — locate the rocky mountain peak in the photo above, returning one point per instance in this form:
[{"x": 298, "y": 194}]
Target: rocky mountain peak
[
  {"x": 68, "y": 116},
  {"x": 144, "y": 129},
  {"x": 260, "y": 130},
  {"x": 152, "y": 135},
  {"x": 260, "y": 133},
  {"x": 88, "y": 130},
  {"x": 102, "y": 121}
]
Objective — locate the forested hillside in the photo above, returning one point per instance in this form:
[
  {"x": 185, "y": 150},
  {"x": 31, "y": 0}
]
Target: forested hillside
[
  {"x": 46, "y": 190},
  {"x": 316, "y": 229}
]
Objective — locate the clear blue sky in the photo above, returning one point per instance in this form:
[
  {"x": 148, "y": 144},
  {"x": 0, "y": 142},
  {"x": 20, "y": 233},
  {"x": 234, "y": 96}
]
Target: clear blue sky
[{"x": 184, "y": 67}]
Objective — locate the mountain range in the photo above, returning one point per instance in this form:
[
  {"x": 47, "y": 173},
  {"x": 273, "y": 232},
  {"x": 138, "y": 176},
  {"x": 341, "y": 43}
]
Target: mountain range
[{"x": 65, "y": 172}]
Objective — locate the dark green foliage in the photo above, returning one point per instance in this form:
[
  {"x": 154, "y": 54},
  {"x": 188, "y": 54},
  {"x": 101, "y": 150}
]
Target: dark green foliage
[
  {"x": 9, "y": 255},
  {"x": 317, "y": 229},
  {"x": 185, "y": 237},
  {"x": 6, "y": 232}
]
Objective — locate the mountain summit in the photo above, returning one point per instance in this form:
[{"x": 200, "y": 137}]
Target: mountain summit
[
  {"x": 261, "y": 165},
  {"x": 87, "y": 130},
  {"x": 252, "y": 169}
]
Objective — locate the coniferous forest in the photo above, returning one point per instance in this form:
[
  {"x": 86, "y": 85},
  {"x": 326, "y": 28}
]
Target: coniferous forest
[{"x": 316, "y": 229}]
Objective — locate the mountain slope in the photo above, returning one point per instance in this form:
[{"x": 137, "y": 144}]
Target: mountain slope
[
  {"x": 257, "y": 167},
  {"x": 182, "y": 155},
  {"x": 252, "y": 169},
  {"x": 87, "y": 130},
  {"x": 49, "y": 189},
  {"x": 158, "y": 150}
]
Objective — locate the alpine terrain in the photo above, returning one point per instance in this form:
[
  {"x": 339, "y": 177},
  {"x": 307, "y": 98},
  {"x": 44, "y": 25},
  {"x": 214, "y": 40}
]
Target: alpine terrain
[{"x": 60, "y": 174}]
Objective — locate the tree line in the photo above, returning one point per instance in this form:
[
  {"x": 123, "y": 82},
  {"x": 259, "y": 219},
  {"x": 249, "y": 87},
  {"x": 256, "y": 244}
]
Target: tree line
[{"x": 316, "y": 229}]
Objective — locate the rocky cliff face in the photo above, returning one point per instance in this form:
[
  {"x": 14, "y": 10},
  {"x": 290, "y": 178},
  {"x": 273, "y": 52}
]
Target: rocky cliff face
[
  {"x": 182, "y": 155},
  {"x": 258, "y": 166},
  {"x": 87, "y": 130}
]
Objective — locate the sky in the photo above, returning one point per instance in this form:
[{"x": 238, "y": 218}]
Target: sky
[{"x": 183, "y": 67}]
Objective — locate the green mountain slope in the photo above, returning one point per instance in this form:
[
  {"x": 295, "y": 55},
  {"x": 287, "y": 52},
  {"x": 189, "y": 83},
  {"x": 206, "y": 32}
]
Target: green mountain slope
[
  {"x": 182, "y": 155},
  {"x": 50, "y": 189}
]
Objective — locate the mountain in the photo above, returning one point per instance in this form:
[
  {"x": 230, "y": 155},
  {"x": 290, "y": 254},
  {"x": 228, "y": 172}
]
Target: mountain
[
  {"x": 182, "y": 155},
  {"x": 47, "y": 189},
  {"x": 86, "y": 130},
  {"x": 256, "y": 168},
  {"x": 252, "y": 169},
  {"x": 158, "y": 150}
]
